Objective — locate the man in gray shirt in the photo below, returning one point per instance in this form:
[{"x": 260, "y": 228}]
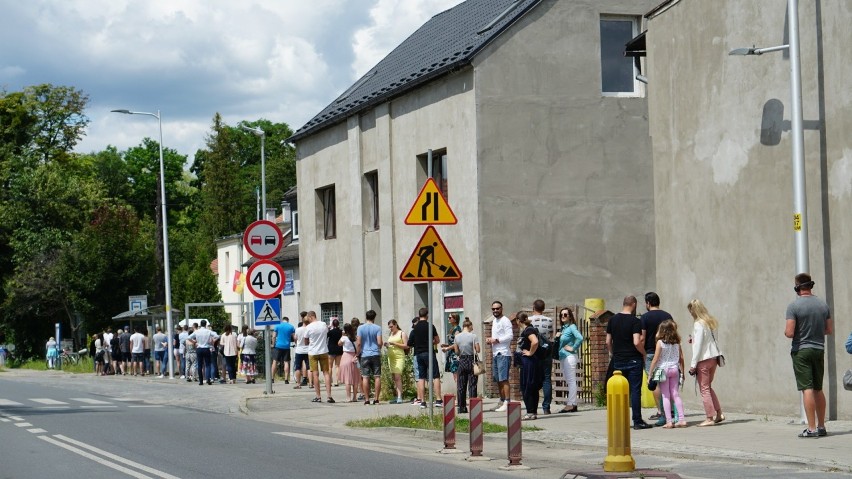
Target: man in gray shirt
[
  {"x": 160, "y": 350},
  {"x": 808, "y": 322}
]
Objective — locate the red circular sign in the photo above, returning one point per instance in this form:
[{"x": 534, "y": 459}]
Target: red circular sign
[
  {"x": 265, "y": 279},
  {"x": 263, "y": 239}
]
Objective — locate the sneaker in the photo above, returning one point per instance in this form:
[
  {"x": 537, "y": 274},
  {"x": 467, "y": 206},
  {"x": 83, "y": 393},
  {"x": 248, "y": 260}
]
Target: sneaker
[
  {"x": 808, "y": 433},
  {"x": 422, "y": 405},
  {"x": 439, "y": 403},
  {"x": 644, "y": 425},
  {"x": 660, "y": 422},
  {"x": 286, "y": 381},
  {"x": 182, "y": 376},
  {"x": 821, "y": 432},
  {"x": 416, "y": 402},
  {"x": 503, "y": 407},
  {"x": 160, "y": 376},
  {"x": 545, "y": 412}
]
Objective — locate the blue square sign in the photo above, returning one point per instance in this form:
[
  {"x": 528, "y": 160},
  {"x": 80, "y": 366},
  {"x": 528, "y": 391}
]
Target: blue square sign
[{"x": 267, "y": 312}]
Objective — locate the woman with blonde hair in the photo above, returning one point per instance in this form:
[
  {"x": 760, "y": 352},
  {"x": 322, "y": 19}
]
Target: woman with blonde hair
[
  {"x": 705, "y": 360},
  {"x": 397, "y": 347}
]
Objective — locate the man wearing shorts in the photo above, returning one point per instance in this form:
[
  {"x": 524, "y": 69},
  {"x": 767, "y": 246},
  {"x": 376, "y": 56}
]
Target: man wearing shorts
[
  {"x": 368, "y": 346},
  {"x": 316, "y": 338},
  {"x": 282, "y": 335},
  {"x": 301, "y": 354},
  {"x": 424, "y": 341},
  {"x": 124, "y": 347},
  {"x": 137, "y": 352},
  {"x": 808, "y": 323},
  {"x": 501, "y": 337},
  {"x": 160, "y": 350}
]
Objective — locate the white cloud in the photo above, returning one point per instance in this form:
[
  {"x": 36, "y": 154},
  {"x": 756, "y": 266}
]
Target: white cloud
[{"x": 279, "y": 60}]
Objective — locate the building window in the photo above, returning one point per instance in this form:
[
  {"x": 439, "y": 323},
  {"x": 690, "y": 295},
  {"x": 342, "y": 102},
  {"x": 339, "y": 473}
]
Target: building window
[
  {"x": 227, "y": 270},
  {"x": 437, "y": 170},
  {"x": 327, "y": 214},
  {"x": 618, "y": 73},
  {"x": 331, "y": 310},
  {"x": 295, "y": 225},
  {"x": 371, "y": 202}
]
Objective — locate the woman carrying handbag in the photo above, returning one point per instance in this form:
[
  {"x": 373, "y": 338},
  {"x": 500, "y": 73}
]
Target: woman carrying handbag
[{"x": 466, "y": 346}]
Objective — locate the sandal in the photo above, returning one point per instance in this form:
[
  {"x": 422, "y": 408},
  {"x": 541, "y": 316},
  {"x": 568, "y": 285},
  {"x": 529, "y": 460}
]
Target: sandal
[
  {"x": 668, "y": 426},
  {"x": 529, "y": 417},
  {"x": 297, "y": 387},
  {"x": 331, "y": 400},
  {"x": 707, "y": 422},
  {"x": 681, "y": 424},
  {"x": 316, "y": 400},
  {"x": 656, "y": 415},
  {"x": 719, "y": 418}
]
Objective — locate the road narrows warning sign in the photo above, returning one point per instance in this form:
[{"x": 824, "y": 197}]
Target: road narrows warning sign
[
  {"x": 430, "y": 207},
  {"x": 430, "y": 261}
]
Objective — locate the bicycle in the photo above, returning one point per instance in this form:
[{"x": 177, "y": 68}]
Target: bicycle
[{"x": 69, "y": 357}]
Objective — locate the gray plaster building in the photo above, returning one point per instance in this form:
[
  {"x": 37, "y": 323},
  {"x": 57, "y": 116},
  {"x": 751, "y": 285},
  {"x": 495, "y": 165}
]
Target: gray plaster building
[
  {"x": 538, "y": 133},
  {"x": 720, "y": 128}
]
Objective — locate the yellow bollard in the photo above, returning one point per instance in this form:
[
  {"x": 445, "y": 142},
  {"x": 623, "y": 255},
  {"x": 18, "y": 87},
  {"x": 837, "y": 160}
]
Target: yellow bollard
[{"x": 618, "y": 457}]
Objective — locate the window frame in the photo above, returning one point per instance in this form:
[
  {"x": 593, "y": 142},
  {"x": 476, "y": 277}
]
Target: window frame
[
  {"x": 371, "y": 181},
  {"x": 638, "y": 90},
  {"x": 327, "y": 214}
]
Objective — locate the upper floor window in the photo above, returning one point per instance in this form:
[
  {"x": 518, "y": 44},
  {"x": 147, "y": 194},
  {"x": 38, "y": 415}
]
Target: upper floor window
[
  {"x": 327, "y": 215},
  {"x": 436, "y": 169},
  {"x": 295, "y": 225},
  {"x": 618, "y": 73},
  {"x": 371, "y": 200}
]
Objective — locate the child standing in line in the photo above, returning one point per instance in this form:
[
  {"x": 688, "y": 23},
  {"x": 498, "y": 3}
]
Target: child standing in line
[{"x": 669, "y": 358}]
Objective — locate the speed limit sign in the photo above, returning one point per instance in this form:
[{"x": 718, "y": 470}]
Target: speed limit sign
[{"x": 265, "y": 279}]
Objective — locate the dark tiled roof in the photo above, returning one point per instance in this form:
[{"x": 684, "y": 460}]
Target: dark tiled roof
[{"x": 448, "y": 41}]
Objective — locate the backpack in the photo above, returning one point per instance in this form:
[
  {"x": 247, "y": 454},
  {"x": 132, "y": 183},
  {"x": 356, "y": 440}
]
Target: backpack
[{"x": 544, "y": 350}]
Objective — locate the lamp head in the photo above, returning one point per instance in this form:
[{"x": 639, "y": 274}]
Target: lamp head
[
  {"x": 126, "y": 112},
  {"x": 743, "y": 51}
]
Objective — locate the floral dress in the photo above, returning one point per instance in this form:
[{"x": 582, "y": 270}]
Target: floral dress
[{"x": 452, "y": 364}]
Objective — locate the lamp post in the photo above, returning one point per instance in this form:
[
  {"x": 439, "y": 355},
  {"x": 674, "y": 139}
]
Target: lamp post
[
  {"x": 168, "y": 305},
  {"x": 800, "y": 203},
  {"x": 267, "y": 364}
]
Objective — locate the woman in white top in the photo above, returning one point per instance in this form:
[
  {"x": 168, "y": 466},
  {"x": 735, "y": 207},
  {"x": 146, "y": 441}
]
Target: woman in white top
[
  {"x": 669, "y": 358},
  {"x": 100, "y": 352},
  {"x": 229, "y": 351},
  {"x": 248, "y": 346},
  {"x": 705, "y": 353},
  {"x": 349, "y": 372},
  {"x": 52, "y": 352}
]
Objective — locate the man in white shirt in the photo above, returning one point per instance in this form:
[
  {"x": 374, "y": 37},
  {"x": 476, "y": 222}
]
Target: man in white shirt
[
  {"x": 137, "y": 352},
  {"x": 109, "y": 357},
  {"x": 544, "y": 325},
  {"x": 501, "y": 337},
  {"x": 301, "y": 350},
  {"x": 316, "y": 337},
  {"x": 203, "y": 339},
  {"x": 182, "y": 350}
]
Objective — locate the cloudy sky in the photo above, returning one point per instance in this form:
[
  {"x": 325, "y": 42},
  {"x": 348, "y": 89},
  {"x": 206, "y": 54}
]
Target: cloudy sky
[{"x": 283, "y": 60}]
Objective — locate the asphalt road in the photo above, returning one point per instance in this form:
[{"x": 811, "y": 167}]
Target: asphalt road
[{"x": 68, "y": 431}]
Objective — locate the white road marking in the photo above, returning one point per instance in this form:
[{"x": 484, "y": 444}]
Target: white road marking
[
  {"x": 89, "y": 400},
  {"x": 7, "y": 402},
  {"x": 97, "y": 459},
  {"x": 23, "y": 424},
  {"x": 49, "y": 402},
  {"x": 15, "y": 418},
  {"x": 36, "y": 430},
  {"x": 54, "y": 407},
  {"x": 97, "y": 407},
  {"x": 366, "y": 445},
  {"x": 116, "y": 458},
  {"x": 125, "y": 399},
  {"x": 149, "y": 405},
  {"x": 3, "y": 419}
]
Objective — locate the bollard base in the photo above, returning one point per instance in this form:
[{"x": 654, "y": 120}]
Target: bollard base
[
  {"x": 615, "y": 463},
  {"x": 450, "y": 451},
  {"x": 514, "y": 467},
  {"x": 477, "y": 458}
]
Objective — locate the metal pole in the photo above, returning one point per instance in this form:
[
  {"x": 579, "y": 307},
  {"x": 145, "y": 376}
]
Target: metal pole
[
  {"x": 430, "y": 372},
  {"x": 800, "y": 201},
  {"x": 166, "y": 270}
]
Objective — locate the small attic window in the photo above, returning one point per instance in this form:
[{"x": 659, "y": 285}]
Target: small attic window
[{"x": 355, "y": 86}]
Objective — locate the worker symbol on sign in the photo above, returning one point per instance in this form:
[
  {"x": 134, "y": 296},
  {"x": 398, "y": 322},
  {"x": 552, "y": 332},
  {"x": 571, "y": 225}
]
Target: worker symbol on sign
[{"x": 430, "y": 260}]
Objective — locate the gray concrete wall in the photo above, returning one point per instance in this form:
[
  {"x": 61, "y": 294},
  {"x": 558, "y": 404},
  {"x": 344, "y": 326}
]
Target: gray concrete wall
[
  {"x": 723, "y": 196},
  {"x": 565, "y": 180}
]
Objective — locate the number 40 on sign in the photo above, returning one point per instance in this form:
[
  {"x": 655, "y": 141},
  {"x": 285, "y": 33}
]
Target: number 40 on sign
[{"x": 265, "y": 279}]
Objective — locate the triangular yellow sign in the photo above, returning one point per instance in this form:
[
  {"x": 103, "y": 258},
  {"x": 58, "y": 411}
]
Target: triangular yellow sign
[
  {"x": 430, "y": 261},
  {"x": 430, "y": 207}
]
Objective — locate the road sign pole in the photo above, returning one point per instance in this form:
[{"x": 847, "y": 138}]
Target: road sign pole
[
  {"x": 266, "y": 361},
  {"x": 429, "y": 381}
]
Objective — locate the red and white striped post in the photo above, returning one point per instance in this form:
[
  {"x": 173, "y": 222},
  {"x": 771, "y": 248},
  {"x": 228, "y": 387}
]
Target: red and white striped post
[
  {"x": 475, "y": 427},
  {"x": 513, "y": 416},
  {"x": 449, "y": 421}
]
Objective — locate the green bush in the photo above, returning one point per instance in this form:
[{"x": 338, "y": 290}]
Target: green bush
[{"x": 409, "y": 386}]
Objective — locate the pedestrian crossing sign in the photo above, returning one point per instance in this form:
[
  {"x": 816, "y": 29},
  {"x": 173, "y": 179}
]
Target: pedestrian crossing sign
[
  {"x": 430, "y": 207},
  {"x": 267, "y": 312},
  {"x": 430, "y": 260}
]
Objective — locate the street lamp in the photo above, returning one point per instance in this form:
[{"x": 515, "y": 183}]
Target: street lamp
[
  {"x": 267, "y": 364},
  {"x": 800, "y": 204},
  {"x": 168, "y": 305}
]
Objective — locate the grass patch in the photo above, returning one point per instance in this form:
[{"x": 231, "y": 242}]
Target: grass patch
[
  {"x": 423, "y": 421},
  {"x": 84, "y": 366}
]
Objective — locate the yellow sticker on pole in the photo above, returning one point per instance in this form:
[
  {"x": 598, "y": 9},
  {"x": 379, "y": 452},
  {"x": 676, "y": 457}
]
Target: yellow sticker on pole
[{"x": 797, "y": 222}]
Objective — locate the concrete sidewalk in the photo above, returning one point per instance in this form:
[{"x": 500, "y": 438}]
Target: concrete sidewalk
[{"x": 746, "y": 439}]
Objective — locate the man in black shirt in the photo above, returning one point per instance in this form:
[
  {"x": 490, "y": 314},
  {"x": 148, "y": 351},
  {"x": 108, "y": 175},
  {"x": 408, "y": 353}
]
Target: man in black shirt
[
  {"x": 624, "y": 342},
  {"x": 424, "y": 344},
  {"x": 650, "y": 323}
]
